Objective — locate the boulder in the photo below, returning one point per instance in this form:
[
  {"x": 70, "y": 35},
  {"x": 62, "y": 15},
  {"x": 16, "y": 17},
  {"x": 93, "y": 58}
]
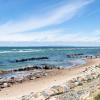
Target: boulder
[
  {"x": 12, "y": 80},
  {"x": 19, "y": 80},
  {"x": 4, "y": 85},
  {"x": 78, "y": 83},
  {"x": 70, "y": 84},
  {"x": 72, "y": 80},
  {"x": 32, "y": 78},
  {"x": 1, "y": 82},
  {"x": 80, "y": 79},
  {"x": 26, "y": 97},
  {"x": 58, "y": 89},
  {"x": 52, "y": 98},
  {"x": 49, "y": 92},
  {"x": 40, "y": 96}
]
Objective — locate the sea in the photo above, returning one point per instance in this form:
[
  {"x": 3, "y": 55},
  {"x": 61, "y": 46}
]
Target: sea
[{"x": 57, "y": 56}]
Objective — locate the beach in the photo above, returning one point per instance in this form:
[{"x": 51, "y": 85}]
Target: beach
[
  {"x": 49, "y": 50},
  {"x": 53, "y": 77}
]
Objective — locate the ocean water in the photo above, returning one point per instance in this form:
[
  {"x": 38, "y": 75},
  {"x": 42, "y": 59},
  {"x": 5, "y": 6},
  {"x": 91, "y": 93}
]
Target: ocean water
[{"x": 57, "y": 56}]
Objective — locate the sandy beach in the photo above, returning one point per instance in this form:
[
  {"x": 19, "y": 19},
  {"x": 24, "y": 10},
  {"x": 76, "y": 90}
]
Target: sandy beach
[{"x": 54, "y": 77}]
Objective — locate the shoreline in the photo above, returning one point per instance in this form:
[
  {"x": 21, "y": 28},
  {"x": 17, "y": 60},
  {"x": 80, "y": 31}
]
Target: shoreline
[
  {"x": 54, "y": 77},
  {"x": 36, "y": 67}
]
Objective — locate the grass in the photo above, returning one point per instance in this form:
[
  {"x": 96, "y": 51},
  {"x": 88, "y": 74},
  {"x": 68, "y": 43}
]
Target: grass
[{"x": 97, "y": 97}]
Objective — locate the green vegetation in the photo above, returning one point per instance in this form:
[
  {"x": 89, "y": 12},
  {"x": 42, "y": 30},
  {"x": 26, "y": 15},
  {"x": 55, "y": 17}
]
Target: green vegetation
[{"x": 97, "y": 97}]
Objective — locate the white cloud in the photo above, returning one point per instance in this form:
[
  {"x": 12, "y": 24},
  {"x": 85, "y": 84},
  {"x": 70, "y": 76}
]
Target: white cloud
[
  {"x": 57, "y": 16},
  {"x": 52, "y": 36}
]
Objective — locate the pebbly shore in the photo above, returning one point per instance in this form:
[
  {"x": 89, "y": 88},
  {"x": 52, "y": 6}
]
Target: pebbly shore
[
  {"x": 77, "y": 88},
  {"x": 30, "y": 75},
  {"x": 15, "y": 76}
]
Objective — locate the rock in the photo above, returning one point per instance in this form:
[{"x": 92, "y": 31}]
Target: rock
[
  {"x": 28, "y": 77},
  {"x": 9, "y": 84},
  {"x": 29, "y": 59},
  {"x": 52, "y": 98},
  {"x": 98, "y": 74},
  {"x": 19, "y": 80},
  {"x": 38, "y": 75},
  {"x": 45, "y": 74},
  {"x": 85, "y": 95},
  {"x": 70, "y": 84},
  {"x": 72, "y": 80},
  {"x": 87, "y": 78},
  {"x": 74, "y": 55},
  {"x": 26, "y": 97},
  {"x": 12, "y": 80},
  {"x": 4, "y": 85},
  {"x": 36, "y": 95},
  {"x": 32, "y": 78},
  {"x": 49, "y": 92},
  {"x": 78, "y": 83},
  {"x": 58, "y": 89},
  {"x": 40, "y": 96},
  {"x": 94, "y": 75},
  {"x": 1, "y": 81},
  {"x": 80, "y": 79}
]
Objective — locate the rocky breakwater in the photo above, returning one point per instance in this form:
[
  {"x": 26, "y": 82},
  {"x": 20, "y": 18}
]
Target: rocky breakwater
[
  {"x": 29, "y": 59},
  {"x": 74, "y": 55},
  {"x": 32, "y": 67},
  {"x": 66, "y": 91}
]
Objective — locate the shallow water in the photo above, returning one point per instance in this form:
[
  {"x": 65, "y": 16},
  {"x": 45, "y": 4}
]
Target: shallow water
[{"x": 57, "y": 56}]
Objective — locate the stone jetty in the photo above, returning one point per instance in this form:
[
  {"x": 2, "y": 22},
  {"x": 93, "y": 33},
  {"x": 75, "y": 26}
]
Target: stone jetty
[
  {"x": 74, "y": 55},
  {"x": 29, "y": 59},
  {"x": 81, "y": 55},
  {"x": 43, "y": 66}
]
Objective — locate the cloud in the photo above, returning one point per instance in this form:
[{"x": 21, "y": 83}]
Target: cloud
[
  {"x": 31, "y": 36},
  {"x": 52, "y": 36},
  {"x": 57, "y": 16},
  {"x": 97, "y": 32}
]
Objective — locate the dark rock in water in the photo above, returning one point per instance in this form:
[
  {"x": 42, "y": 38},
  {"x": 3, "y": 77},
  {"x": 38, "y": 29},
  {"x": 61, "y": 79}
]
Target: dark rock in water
[
  {"x": 15, "y": 70},
  {"x": 43, "y": 66},
  {"x": 33, "y": 67},
  {"x": 27, "y": 68},
  {"x": 29, "y": 59},
  {"x": 46, "y": 66},
  {"x": 37, "y": 67},
  {"x": 74, "y": 55}
]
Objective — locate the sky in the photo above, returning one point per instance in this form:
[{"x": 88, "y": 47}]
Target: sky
[{"x": 49, "y": 22}]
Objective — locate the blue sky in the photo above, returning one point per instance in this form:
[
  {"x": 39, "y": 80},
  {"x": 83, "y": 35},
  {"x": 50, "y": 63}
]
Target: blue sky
[{"x": 50, "y": 22}]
